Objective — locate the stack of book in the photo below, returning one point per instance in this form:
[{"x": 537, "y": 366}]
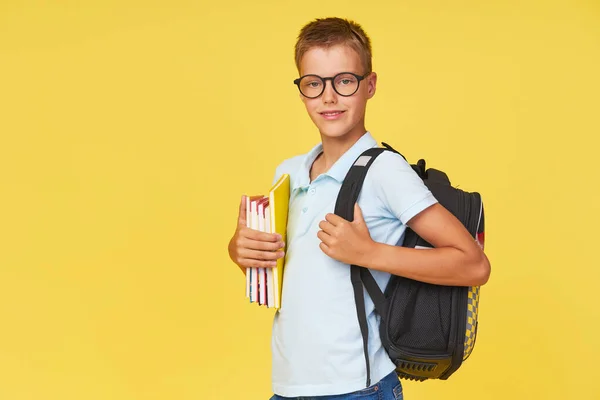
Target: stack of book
[{"x": 268, "y": 214}]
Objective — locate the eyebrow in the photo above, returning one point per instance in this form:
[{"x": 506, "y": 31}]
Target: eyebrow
[{"x": 334, "y": 74}]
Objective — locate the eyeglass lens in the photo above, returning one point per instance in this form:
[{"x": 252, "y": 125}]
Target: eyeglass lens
[{"x": 313, "y": 86}]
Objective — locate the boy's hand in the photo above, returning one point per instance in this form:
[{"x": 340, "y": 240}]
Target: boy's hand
[
  {"x": 348, "y": 242},
  {"x": 253, "y": 248}
]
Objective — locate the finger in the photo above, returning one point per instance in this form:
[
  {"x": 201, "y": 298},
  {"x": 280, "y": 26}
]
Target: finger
[
  {"x": 325, "y": 237},
  {"x": 261, "y": 255},
  {"x": 334, "y": 219},
  {"x": 260, "y": 236},
  {"x": 242, "y": 211},
  {"x": 251, "y": 244},
  {"x": 326, "y": 226},
  {"x": 248, "y": 263},
  {"x": 325, "y": 248},
  {"x": 358, "y": 216}
]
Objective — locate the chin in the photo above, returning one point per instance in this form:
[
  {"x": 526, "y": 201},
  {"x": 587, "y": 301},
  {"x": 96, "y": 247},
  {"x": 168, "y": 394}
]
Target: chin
[{"x": 335, "y": 132}]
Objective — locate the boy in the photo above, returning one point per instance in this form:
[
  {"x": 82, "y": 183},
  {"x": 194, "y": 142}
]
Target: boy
[{"x": 316, "y": 341}]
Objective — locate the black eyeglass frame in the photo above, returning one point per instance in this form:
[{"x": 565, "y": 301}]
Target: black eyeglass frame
[{"x": 331, "y": 78}]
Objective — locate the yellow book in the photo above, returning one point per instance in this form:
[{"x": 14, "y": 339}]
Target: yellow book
[{"x": 279, "y": 197}]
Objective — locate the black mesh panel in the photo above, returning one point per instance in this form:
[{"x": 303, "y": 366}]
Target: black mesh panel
[{"x": 421, "y": 315}]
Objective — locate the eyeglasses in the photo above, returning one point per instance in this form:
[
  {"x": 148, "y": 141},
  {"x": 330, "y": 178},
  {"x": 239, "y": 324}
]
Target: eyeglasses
[{"x": 345, "y": 84}]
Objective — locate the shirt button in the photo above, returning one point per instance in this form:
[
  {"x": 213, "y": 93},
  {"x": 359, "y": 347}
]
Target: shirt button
[
  {"x": 313, "y": 191},
  {"x": 304, "y": 209}
]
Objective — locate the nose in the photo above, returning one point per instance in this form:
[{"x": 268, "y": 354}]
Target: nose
[{"x": 329, "y": 95}]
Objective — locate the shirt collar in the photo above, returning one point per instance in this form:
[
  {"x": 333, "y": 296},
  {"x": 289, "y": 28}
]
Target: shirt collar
[{"x": 340, "y": 168}]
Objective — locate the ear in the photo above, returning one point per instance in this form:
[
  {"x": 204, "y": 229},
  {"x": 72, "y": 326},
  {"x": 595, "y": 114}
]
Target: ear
[{"x": 371, "y": 84}]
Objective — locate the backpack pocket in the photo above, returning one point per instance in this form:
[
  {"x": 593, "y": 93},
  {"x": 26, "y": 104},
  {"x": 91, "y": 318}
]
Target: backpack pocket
[{"x": 420, "y": 316}]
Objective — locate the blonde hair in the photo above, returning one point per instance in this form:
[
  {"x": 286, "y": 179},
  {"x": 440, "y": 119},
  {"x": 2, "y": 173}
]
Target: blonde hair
[{"x": 328, "y": 32}]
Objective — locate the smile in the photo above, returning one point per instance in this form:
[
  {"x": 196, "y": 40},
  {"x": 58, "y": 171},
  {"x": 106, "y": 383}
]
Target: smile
[{"x": 332, "y": 114}]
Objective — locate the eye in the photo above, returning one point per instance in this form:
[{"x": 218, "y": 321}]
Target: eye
[
  {"x": 346, "y": 80},
  {"x": 311, "y": 84}
]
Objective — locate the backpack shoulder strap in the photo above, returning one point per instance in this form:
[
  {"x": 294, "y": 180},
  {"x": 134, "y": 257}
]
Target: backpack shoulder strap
[
  {"x": 353, "y": 182},
  {"x": 344, "y": 207}
]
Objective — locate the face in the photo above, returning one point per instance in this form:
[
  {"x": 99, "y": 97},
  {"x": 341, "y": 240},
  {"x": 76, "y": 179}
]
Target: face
[{"x": 334, "y": 115}]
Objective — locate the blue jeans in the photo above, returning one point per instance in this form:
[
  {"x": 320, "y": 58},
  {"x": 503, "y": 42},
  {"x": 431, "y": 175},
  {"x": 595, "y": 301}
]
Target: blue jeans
[{"x": 389, "y": 388}]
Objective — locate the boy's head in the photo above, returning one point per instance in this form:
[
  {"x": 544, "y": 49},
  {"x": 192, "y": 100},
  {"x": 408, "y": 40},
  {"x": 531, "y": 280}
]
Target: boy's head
[
  {"x": 329, "y": 32},
  {"x": 339, "y": 49}
]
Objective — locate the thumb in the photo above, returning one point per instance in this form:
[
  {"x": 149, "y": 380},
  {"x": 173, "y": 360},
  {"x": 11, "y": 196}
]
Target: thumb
[
  {"x": 358, "y": 217},
  {"x": 242, "y": 212}
]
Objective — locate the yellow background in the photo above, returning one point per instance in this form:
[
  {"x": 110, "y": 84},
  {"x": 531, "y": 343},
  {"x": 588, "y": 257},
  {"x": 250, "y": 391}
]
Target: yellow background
[{"x": 130, "y": 129}]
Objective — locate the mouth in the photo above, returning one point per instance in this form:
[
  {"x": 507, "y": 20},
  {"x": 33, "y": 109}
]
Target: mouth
[{"x": 332, "y": 114}]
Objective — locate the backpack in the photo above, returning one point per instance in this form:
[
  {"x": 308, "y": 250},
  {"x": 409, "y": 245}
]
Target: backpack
[{"x": 427, "y": 330}]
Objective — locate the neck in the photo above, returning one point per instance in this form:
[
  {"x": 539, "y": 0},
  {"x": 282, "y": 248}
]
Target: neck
[{"x": 334, "y": 148}]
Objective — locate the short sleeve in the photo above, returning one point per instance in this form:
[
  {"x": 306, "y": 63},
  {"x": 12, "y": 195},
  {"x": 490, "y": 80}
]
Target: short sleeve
[
  {"x": 278, "y": 173},
  {"x": 288, "y": 166},
  {"x": 399, "y": 188}
]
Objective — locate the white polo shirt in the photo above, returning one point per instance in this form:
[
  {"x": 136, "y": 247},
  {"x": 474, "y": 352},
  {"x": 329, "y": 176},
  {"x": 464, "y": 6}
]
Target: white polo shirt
[{"x": 316, "y": 342}]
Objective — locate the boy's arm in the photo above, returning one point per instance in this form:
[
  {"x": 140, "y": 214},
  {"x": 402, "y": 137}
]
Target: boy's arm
[
  {"x": 456, "y": 260},
  {"x": 251, "y": 248}
]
